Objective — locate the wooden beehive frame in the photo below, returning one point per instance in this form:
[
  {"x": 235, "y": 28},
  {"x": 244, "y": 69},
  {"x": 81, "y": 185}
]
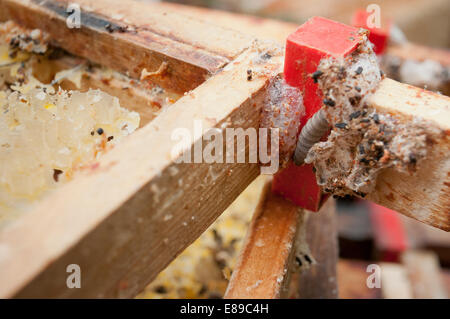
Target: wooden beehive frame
[{"x": 112, "y": 221}]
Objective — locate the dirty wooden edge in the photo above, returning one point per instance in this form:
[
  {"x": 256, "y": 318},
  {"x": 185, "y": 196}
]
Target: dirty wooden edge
[
  {"x": 318, "y": 280},
  {"x": 263, "y": 266},
  {"x": 424, "y": 195},
  {"x": 187, "y": 58},
  {"x": 132, "y": 95},
  {"x": 281, "y": 232}
]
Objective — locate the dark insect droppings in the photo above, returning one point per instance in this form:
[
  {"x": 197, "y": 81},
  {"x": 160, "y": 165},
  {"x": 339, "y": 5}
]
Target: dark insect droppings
[
  {"x": 14, "y": 43},
  {"x": 341, "y": 125},
  {"x": 361, "y": 194},
  {"x": 249, "y": 75},
  {"x": 316, "y": 75},
  {"x": 364, "y": 160},
  {"x": 379, "y": 154},
  {"x": 361, "y": 149},
  {"x": 342, "y": 73},
  {"x": 329, "y": 102},
  {"x": 354, "y": 100},
  {"x": 160, "y": 290},
  {"x": 56, "y": 173},
  {"x": 308, "y": 259},
  {"x": 266, "y": 56},
  {"x": 203, "y": 290},
  {"x": 359, "y": 70},
  {"x": 376, "y": 118},
  {"x": 109, "y": 28},
  {"x": 354, "y": 115},
  {"x": 100, "y": 131},
  {"x": 299, "y": 261}
]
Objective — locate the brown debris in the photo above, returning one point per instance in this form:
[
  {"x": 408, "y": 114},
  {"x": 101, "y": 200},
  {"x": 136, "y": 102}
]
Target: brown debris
[{"x": 362, "y": 141}]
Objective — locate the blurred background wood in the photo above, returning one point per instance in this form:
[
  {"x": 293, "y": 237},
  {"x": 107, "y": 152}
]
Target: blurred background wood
[
  {"x": 320, "y": 279},
  {"x": 423, "y": 21}
]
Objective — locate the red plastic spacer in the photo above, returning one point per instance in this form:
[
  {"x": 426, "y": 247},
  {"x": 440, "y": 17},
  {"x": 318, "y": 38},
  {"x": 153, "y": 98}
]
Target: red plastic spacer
[
  {"x": 378, "y": 36},
  {"x": 311, "y": 42},
  {"x": 389, "y": 232}
]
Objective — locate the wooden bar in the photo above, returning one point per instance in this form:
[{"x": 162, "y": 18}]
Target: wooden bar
[
  {"x": 424, "y": 237},
  {"x": 395, "y": 282},
  {"x": 132, "y": 95},
  {"x": 276, "y": 30},
  {"x": 414, "y": 55},
  {"x": 298, "y": 243},
  {"x": 258, "y": 27},
  {"x": 264, "y": 264},
  {"x": 411, "y": 51},
  {"x": 429, "y": 27},
  {"x": 425, "y": 195},
  {"x": 352, "y": 277},
  {"x": 192, "y": 50},
  {"x": 424, "y": 274},
  {"x": 400, "y": 280},
  {"x": 319, "y": 280}
]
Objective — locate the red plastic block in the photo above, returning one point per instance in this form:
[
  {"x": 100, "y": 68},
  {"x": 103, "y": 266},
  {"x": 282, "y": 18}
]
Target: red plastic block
[
  {"x": 298, "y": 184},
  {"x": 314, "y": 40},
  {"x": 390, "y": 235},
  {"x": 378, "y": 36}
]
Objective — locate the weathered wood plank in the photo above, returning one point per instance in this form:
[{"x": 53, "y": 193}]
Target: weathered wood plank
[
  {"x": 258, "y": 27},
  {"x": 422, "y": 236},
  {"x": 145, "y": 98},
  {"x": 424, "y": 274},
  {"x": 424, "y": 195},
  {"x": 395, "y": 282},
  {"x": 399, "y": 58},
  {"x": 192, "y": 50},
  {"x": 287, "y": 236},
  {"x": 430, "y": 27},
  {"x": 352, "y": 280},
  {"x": 319, "y": 280},
  {"x": 262, "y": 271},
  {"x": 411, "y": 51}
]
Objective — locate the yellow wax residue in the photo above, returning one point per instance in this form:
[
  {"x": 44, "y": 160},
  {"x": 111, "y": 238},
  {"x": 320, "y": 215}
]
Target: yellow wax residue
[{"x": 46, "y": 135}]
